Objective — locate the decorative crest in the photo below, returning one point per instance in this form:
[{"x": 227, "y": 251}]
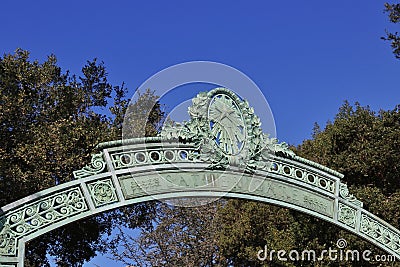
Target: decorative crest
[{"x": 226, "y": 132}]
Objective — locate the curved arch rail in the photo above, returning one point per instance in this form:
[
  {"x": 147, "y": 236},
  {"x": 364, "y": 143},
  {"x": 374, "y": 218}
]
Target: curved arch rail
[{"x": 290, "y": 183}]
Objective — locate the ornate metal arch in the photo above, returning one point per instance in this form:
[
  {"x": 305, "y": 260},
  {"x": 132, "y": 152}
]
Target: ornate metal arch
[{"x": 220, "y": 152}]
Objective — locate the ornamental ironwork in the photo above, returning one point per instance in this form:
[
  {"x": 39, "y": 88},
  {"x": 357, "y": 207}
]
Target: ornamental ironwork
[
  {"x": 226, "y": 132},
  {"x": 220, "y": 152}
]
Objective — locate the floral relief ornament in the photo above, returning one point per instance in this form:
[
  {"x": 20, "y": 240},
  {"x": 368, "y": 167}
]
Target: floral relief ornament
[{"x": 226, "y": 132}]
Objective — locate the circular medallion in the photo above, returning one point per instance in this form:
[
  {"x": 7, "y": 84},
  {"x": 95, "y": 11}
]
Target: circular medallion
[{"x": 226, "y": 124}]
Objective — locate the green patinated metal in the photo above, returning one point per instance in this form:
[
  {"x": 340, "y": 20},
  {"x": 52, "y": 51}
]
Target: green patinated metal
[{"x": 220, "y": 152}]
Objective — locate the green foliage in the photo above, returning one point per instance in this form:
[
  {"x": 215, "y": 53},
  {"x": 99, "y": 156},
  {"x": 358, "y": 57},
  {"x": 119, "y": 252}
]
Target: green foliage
[
  {"x": 394, "y": 12},
  {"x": 144, "y": 117},
  {"x": 47, "y": 124},
  {"x": 393, "y": 38},
  {"x": 361, "y": 144},
  {"x": 247, "y": 226},
  {"x": 176, "y": 236}
]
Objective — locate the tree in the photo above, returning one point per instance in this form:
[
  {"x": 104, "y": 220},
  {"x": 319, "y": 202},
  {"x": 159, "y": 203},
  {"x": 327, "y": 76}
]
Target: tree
[
  {"x": 47, "y": 126},
  {"x": 363, "y": 145},
  {"x": 247, "y": 226},
  {"x": 50, "y": 122},
  {"x": 176, "y": 236},
  {"x": 393, "y": 38}
]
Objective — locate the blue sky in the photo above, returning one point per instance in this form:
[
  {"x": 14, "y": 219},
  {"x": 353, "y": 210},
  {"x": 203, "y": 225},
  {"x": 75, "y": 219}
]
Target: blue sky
[{"x": 306, "y": 56}]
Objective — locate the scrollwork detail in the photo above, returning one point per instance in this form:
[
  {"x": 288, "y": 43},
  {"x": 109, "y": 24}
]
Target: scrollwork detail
[
  {"x": 97, "y": 165},
  {"x": 345, "y": 194},
  {"x": 37, "y": 215}
]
